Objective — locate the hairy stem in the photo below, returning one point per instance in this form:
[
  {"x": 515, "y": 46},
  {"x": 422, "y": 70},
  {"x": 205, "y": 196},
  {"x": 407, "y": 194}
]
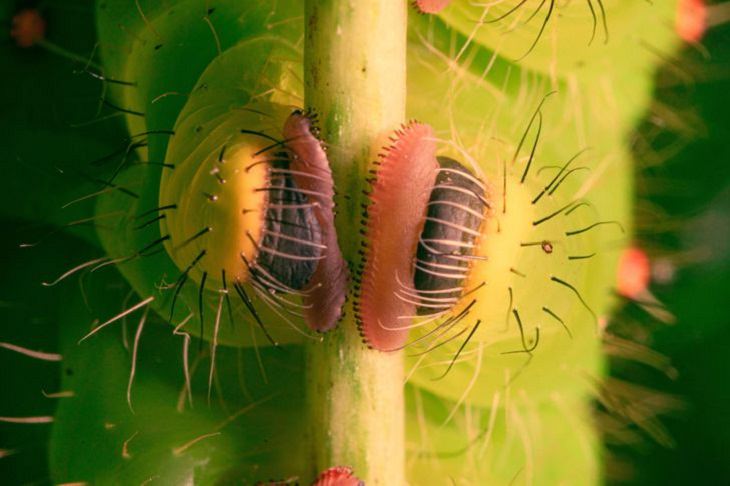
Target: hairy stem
[{"x": 355, "y": 80}]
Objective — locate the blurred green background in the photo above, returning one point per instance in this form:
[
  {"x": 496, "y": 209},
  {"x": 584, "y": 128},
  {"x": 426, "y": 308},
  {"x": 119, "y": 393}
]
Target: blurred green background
[
  {"x": 683, "y": 211},
  {"x": 683, "y": 214}
]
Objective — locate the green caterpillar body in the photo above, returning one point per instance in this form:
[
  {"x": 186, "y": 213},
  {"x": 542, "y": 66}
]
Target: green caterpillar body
[{"x": 511, "y": 403}]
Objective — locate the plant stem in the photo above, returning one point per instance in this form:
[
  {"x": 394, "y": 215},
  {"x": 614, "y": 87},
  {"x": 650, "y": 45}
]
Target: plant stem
[{"x": 355, "y": 80}]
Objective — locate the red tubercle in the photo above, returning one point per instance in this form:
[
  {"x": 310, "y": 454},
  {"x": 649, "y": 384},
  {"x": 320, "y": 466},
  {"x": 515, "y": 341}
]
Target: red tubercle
[
  {"x": 634, "y": 273},
  {"x": 28, "y": 27},
  {"x": 338, "y": 476},
  {"x": 691, "y": 20},
  {"x": 431, "y": 6},
  {"x": 395, "y": 217},
  {"x": 326, "y": 292}
]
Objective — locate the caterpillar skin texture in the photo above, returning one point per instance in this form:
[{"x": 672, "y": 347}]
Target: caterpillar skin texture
[
  {"x": 455, "y": 213},
  {"x": 395, "y": 216},
  {"x": 241, "y": 213},
  {"x": 325, "y": 295},
  {"x": 233, "y": 212}
]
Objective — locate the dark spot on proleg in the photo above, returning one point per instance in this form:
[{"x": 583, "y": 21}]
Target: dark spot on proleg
[
  {"x": 291, "y": 244},
  {"x": 449, "y": 233}
]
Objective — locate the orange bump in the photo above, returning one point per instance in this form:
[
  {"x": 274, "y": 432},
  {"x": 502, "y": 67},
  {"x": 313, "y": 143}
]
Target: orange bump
[
  {"x": 691, "y": 21},
  {"x": 634, "y": 273},
  {"x": 28, "y": 27}
]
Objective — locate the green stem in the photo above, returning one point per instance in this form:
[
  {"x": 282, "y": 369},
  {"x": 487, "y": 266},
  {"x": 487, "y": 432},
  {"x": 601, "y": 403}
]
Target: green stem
[{"x": 355, "y": 79}]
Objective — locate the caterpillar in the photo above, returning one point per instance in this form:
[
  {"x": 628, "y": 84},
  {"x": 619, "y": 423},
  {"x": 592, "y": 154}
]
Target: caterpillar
[
  {"x": 544, "y": 366},
  {"x": 485, "y": 371}
]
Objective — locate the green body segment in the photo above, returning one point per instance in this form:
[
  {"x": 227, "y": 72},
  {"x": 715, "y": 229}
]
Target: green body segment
[
  {"x": 580, "y": 38},
  {"x": 245, "y": 429}
]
